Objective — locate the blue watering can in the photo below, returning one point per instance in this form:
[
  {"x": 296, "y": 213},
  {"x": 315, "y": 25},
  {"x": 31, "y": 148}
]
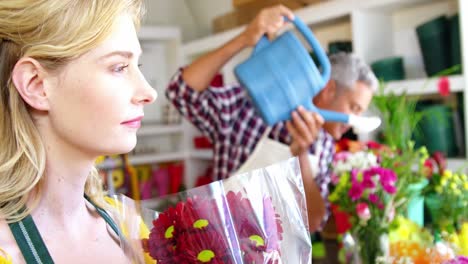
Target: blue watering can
[{"x": 280, "y": 75}]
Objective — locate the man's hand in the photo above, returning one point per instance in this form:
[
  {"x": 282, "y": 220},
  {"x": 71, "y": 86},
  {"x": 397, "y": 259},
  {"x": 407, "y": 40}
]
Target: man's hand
[
  {"x": 303, "y": 128},
  {"x": 269, "y": 21}
]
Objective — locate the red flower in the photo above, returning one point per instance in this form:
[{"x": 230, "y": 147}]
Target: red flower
[
  {"x": 204, "y": 247},
  {"x": 200, "y": 215},
  {"x": 345, "y": 144},
  {"x": 194, "y": 232},
  {"x": 373, "y": 145},
  {"x": 272, "y": 223},
  {"x": 255, "y": 240},
  {"x": 428, "y": 169},
  {"x": 444, "y": 86},
  {"x": 440, "y": 160},
  {"x": 162, "y": 238}
]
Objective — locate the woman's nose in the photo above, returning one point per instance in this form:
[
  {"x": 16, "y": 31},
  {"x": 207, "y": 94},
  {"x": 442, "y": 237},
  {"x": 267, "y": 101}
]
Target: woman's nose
[{"x": 145, "y": 93}]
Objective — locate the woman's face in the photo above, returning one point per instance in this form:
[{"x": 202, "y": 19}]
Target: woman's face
[{"x": 96, "y": 102}]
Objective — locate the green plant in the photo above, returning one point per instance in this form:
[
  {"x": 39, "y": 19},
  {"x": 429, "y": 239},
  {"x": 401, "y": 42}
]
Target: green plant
[{"x": 399, "y": 117}]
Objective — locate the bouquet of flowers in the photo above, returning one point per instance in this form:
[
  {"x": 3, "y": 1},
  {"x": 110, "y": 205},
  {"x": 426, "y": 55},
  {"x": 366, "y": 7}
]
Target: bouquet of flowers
[
  {"x": 370, "y": 185},
  {"x": 257, "y": 217}
]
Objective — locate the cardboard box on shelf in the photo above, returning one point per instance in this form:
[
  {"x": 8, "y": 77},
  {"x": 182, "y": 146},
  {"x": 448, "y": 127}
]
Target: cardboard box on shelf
[
  {"x": 237, "y": 3},
  {"x": 309, "y": 2},
  {"x": 246, "y": 12},
  {"x": 254, "y": 6},
  {"x": 241, "y": 3},
  {"x": 226, "y": 21}
]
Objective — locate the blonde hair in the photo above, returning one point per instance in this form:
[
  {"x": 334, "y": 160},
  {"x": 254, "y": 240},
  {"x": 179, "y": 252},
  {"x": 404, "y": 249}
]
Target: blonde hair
[{"x": 53, "y": 32}]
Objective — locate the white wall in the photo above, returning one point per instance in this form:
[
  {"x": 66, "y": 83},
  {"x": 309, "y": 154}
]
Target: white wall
[
  {"x": 174, "y": 13},
  {"x": 204, "y": 11},
  {"x": 194, "y": 17}
]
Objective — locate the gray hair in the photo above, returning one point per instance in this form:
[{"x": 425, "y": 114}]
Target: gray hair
[{"x": 347, "y": 69}]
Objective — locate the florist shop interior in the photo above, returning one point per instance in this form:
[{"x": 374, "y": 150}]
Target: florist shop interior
[{"x": 395, "y": 194}]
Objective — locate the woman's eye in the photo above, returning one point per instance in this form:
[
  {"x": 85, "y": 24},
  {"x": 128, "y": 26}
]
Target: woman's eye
[{"x": 120, "y": 68}]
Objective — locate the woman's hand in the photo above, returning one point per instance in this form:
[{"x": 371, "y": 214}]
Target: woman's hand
[{"x": 268, "y": 21}]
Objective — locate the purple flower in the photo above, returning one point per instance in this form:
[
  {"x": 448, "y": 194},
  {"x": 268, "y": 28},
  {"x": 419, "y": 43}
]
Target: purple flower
[
  {"x": 388, "y": 179},
  {"x": 356, "y": 190},
  {"x": 367, "y": 180},
  {"x": 458, "y": 260},
  {"x": 374, "y": 198}
]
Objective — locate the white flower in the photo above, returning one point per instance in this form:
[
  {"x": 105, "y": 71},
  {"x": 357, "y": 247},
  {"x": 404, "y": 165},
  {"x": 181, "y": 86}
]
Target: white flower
[{"x": 358, "y": 160}]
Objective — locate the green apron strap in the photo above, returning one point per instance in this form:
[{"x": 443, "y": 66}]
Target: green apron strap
[
  {"x": 30, "y": 242},
  {"x": 106, "y": 217}
]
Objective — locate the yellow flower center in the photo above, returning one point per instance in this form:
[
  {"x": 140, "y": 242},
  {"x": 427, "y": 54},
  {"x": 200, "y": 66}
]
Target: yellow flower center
[
  {"x": 205, "y": 255},
  {"x": 169, "y": 232},
  {"x": 258, "y": 240},
  {"x": 201, "y": 223}
]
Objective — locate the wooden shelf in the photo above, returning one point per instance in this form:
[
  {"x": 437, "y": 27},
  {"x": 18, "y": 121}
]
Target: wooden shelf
[{"x": 424, "y": 86}]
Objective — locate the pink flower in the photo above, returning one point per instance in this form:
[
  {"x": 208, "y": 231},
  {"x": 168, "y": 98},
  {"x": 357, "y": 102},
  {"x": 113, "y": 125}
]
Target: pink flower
[
  {"x": 341, "y": 156},
  {"x": 388, "y": 179},
  {"x": 367, "y": 178},
  {"x": 363, "y": 212},
  {"x": 444, "y": 86},
  {"x": 374, "y": 198},
  {"x": 334, "y": 178},
  {"x": 356, "y": 190}
]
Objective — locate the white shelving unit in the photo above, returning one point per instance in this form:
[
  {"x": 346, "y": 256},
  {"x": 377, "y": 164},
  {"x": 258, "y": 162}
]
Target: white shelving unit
[
  {"x": 205, "y": 154},
  {"x": 153, "y": 130},
  {"x": 377, "y": 28},
  {"x": 423, "y": 86},
  {"x": 156, "y": 158}
]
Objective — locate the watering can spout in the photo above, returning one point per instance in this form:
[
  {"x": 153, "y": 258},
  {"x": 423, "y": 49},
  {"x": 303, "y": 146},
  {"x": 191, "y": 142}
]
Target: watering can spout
[{"x": 360, "y": 124}]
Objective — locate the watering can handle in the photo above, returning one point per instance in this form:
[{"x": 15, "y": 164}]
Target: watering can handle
[{"x": 309, "y": 36}]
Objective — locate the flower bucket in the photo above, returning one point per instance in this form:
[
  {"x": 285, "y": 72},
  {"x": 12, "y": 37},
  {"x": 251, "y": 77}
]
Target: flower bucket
[
  {"x": 433, "y": 204},
  {"x": 415, "y": 211},
  {"x": 434, "y": 41}
]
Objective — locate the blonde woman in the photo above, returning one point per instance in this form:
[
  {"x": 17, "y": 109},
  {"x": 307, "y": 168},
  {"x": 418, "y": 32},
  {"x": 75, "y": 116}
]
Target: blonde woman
[{"x": 70, "y": 90}]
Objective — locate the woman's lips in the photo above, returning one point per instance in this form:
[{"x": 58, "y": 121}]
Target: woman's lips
[{"x": 133, "y": 123}]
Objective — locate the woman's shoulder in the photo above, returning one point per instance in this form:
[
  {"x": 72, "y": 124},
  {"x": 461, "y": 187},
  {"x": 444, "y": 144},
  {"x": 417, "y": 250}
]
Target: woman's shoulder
[{"x": 9, "y": 251}]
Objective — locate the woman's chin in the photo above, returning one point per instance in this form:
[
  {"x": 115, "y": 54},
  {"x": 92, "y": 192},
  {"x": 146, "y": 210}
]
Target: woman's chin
[{"x": 121, "y": 148}]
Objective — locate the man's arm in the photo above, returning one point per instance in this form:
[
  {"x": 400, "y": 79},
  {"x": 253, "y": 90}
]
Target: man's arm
[
  {"x": 315, "y": 204},
  {"x": 304, "y": 128},
  {"x": 199, "y": 74}
]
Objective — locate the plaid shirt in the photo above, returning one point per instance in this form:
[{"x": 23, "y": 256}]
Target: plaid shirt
[{"x": 227, "y": 116}]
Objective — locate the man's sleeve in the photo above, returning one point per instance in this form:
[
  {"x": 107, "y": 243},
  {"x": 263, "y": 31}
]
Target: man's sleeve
[{"x": 212, "y": 110}]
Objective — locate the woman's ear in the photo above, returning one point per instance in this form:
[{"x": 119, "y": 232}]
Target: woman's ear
[{"x": 28, "y": 77}]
